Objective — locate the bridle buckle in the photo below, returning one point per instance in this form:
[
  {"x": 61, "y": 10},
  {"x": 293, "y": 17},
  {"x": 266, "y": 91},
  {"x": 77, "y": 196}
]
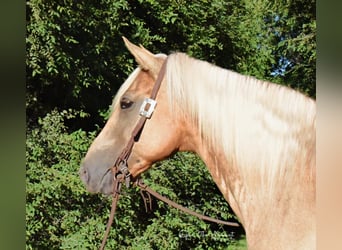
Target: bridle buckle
[
  {"x": 123, "y": 173},
  {"x": 147, "y": 107}
]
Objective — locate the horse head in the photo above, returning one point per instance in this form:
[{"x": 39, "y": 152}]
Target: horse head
[{"x": 161, "y": 136}]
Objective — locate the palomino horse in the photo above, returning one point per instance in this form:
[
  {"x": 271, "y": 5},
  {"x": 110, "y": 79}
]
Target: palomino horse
[{"x": 256, "y": 138}]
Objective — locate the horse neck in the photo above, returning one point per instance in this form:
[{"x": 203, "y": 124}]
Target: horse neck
[
  {"x": 268, "y": 182},
  {"x": 259, "y": 213},
  {"x": 226, "y": 179}
]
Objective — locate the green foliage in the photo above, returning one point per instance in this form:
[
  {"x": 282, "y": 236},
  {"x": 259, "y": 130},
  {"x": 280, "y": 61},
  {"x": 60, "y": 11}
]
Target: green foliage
[
  {"x": 76, "y": 57},
  {"x": 61, "y": 214},
  {"x": 275, "y": 41},
  {"x": 298, "y": 45},
  {"x": 54, "y": 192}
]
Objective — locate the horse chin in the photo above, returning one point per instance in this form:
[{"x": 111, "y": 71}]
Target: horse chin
[
  {"x": 103, "y": 186},
  {"x": 106, "y": 185}
]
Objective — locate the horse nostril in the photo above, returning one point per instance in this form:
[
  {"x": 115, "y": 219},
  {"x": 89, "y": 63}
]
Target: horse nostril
[{"x": 84, "y": 175}]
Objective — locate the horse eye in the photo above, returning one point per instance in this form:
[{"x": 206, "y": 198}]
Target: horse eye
[{"x": 125, "y": 103}]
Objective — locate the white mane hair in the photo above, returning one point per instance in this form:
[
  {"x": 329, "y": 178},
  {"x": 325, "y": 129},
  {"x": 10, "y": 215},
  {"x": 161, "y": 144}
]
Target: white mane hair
[{"x": 262, "y": 127}]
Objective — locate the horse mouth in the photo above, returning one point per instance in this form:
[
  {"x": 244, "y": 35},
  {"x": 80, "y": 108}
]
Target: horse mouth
[
  {"x": 96, "y": 183},
  {"x": 102, "y": 182},
  {"x": 105, "y": 185}
]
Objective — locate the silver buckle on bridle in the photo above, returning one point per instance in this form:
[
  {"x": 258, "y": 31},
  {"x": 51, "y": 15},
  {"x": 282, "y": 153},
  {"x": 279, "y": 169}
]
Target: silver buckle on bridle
[{"x": 147, "y": 107}]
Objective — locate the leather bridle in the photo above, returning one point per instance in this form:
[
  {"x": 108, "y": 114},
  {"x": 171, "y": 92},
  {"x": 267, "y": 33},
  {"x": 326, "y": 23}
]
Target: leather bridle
[
  {"x": 145, "y": 112},
  {"x": 120, "y": 168}
]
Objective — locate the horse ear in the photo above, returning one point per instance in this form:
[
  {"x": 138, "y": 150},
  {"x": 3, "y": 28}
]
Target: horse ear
[{"x": 146, "y": 60}]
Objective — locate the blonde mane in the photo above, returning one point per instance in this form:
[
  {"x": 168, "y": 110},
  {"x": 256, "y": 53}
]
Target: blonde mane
[{"x": 264, "y": 127}]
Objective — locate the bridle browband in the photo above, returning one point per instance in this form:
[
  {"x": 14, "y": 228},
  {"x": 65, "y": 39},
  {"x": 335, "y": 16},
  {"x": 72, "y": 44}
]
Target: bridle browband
[{"x": 120, "y": 168}]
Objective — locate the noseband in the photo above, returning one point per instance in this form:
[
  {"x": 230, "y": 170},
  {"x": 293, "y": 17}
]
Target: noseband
[{"x": 120, "y": 168}]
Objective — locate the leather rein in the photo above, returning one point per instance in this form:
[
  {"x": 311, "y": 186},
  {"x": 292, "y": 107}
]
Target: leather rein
[{"x": 121, "y": 173}]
